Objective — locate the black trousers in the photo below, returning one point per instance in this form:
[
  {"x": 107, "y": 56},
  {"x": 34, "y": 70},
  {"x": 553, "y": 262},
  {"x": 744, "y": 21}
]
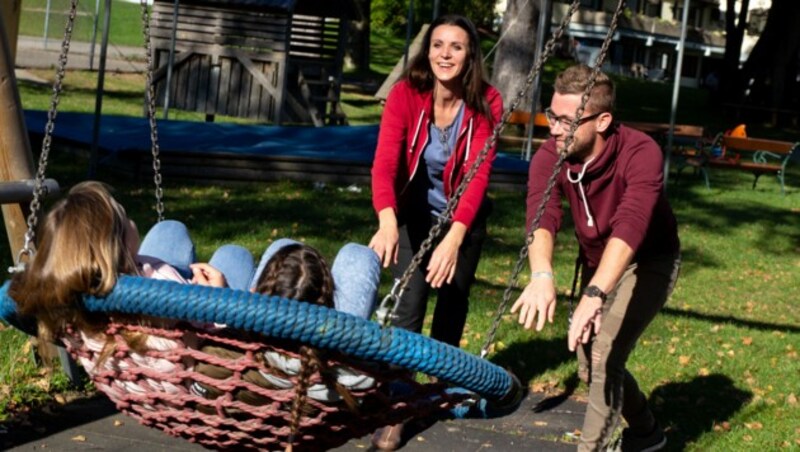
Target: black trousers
[{"x": 452, "y": 303}]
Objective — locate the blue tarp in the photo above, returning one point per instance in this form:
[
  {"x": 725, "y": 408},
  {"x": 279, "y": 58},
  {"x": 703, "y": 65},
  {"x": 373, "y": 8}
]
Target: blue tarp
[{"x": 126, "y": 134}]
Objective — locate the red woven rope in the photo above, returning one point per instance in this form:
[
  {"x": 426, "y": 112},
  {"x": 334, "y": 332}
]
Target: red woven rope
[{"x": 154, "y": 387}]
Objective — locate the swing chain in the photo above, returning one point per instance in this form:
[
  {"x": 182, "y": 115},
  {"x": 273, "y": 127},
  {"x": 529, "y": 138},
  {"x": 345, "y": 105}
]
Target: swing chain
[
  {"x": 523, "y": 254},
  {"x": 39, "y": 188},
  {"x": 445, "y": 217},
  {"x": 386, "y": 310},
  {"x": 151, "y": 112}
]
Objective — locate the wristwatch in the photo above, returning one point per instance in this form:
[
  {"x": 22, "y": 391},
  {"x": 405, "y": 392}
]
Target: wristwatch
[{"x": 594, "y": 291}]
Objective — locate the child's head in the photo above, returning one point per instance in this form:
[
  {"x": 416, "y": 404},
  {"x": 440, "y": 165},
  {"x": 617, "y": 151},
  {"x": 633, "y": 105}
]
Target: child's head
[
  {"x": 85, "y": 240},
  {"x": 298, "y": 272}
]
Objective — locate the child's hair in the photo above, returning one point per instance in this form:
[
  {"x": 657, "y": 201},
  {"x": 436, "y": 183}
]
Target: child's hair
[
  {"x": 298, "y": 272},
  {"x": 82, "y": 247}
]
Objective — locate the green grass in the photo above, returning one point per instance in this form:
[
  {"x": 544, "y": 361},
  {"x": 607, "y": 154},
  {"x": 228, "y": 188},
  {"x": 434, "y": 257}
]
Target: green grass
[
  {"x": 125, "y": 28},
  {"x": 720, "y": 364}
]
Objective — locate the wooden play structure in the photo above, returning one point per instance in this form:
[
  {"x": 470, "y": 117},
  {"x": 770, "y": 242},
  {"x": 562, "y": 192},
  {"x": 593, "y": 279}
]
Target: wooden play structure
[
  {"x": 15, "y": 149},
  {"x": 277, "y": 61}
]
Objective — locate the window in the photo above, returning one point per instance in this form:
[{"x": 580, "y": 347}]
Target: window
[
  {"x": 695, "y": 15},
  {"x": 649, "y": 8}
]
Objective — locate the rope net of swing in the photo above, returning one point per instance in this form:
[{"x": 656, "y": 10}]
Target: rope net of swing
[{"x": 222, "y": 390}]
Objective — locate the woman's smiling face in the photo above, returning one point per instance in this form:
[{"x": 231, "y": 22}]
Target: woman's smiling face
[{"x": 448, "y": 52}]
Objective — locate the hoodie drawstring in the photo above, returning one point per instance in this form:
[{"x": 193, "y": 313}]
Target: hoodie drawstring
[{"x": 590, "y": 219}]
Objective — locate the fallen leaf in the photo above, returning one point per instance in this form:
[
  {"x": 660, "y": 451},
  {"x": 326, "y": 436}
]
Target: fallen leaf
[
  {"x": 747, "y": 438},
  {"x": 754, "y": 425},
  {"x": 791, "y": 399},
  {"x": 79, "y": 438},
  {"x": 684, "y": 360},
  {"x": 722, "y": 427},
  {"x": 118, "y": 423},
  {"x": 703, "y": 372},
  {"x": 540, "y": 423},
  {"x": 747, "y": 340}
]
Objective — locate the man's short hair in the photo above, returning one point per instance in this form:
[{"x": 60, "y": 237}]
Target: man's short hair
[{"x": 574, "y": 80}]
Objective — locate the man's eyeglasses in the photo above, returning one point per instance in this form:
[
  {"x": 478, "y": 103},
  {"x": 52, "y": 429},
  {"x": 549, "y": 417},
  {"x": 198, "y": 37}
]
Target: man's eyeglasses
[{"x": 564, "y": 121}]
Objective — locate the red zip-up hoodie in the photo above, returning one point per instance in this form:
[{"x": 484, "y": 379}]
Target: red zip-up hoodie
[
  {"x": 623, "y": 196},
  {"x": 402, "y": 139}
]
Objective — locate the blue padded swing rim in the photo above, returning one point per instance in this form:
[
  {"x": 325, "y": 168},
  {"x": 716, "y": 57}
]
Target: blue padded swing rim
[{"x": 307, "y": 323}]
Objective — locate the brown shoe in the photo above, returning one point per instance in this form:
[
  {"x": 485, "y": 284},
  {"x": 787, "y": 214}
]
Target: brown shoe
[{"x": 388, "y": 438}]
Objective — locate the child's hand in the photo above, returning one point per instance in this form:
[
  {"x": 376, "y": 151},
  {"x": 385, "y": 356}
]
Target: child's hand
[{"x": 206, "y": 275}]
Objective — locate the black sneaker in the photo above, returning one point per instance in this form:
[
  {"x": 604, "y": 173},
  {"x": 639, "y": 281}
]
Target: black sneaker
[{"x": 655, "y": 440}]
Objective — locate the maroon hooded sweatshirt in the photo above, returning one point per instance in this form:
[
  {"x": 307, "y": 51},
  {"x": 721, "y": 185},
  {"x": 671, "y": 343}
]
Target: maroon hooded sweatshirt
[{"x": 618, "y": 194}]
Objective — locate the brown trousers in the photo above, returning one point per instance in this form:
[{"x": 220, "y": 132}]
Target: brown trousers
[{"x": 631, "y": 306}]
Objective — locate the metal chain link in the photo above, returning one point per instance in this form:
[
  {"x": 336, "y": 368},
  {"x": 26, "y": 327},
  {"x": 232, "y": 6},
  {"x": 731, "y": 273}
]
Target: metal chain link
[
  {"x": 523, "y": 254},
  {"x": 151, "y": 112},
  {"x": 390, "y": 303},
  {"x": 39, "y": 188}
]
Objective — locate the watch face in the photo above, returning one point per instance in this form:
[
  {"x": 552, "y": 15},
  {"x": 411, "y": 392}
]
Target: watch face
[{"x": 594, "y": 291}]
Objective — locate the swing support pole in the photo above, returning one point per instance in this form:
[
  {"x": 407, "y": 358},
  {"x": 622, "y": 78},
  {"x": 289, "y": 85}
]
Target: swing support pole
[{"x": 16, "y": 159}]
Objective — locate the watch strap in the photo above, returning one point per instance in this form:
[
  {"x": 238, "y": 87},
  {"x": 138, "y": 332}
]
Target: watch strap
[{"x": 594, "y": 291}]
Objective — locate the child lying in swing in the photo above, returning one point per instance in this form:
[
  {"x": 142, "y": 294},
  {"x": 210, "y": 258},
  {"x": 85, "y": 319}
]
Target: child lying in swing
[
  {"x": 299, "y": 272},
  {"x": 85, "y": 242}
]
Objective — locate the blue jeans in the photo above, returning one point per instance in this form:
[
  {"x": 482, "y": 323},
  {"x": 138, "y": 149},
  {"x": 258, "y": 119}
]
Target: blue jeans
[
  {"x": 170, "y": 242},
  {"x": 356, "y": 272}
]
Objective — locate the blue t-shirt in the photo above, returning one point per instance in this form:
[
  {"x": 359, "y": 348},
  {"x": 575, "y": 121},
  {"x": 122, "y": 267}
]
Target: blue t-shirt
[{"x": 437, "y": 153}]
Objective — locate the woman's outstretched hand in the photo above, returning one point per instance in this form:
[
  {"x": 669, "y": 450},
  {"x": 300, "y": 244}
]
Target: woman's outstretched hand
[
  {"x": 385, "y": 245},
  {"x": 442, "y": 265},
  {"x": 385, "y": 242}
]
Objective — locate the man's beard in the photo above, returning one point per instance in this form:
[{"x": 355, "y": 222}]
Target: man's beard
[{"x": 579, "y": 149}]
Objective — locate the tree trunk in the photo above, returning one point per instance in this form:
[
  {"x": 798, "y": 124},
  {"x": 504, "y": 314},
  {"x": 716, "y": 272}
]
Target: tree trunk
[
  {"x": 357, "y": 52},
  {"x": 773, "y": 64},
  {"x": 734, "y": 34},
  {"x": 515, "y": 50}
]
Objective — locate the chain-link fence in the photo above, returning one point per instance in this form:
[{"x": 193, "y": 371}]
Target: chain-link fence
[{"x": 46, "y": 18}]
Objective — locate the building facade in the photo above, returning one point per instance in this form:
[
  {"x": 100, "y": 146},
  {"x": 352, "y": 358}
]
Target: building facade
[{"x": 647, "y": 39}]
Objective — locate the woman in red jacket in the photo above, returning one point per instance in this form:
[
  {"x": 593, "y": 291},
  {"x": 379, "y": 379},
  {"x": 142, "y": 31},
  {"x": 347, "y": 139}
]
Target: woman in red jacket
[{"x": 436, "y": 121}]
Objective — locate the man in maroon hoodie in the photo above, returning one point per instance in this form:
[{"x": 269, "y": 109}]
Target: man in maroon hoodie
[{"x": 629, "y": 252}]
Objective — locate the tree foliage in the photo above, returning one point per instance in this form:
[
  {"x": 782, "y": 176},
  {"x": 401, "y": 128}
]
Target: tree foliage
[{"x": 391, "y": 16}]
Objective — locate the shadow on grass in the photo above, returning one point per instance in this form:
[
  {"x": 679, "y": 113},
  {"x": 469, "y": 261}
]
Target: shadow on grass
[
  {"x": 547, "y": 354},
  {"x": 690, "y": 409},
  {"x": 763, "y": 326},
  {"x": 768, "y": 222}
]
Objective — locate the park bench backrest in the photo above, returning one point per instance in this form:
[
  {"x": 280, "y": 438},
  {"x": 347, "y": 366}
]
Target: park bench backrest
[
  {"x": 659, "y": 131},
  {"x": 523, "y": 118},
  {"x": 758, "y": 144}
]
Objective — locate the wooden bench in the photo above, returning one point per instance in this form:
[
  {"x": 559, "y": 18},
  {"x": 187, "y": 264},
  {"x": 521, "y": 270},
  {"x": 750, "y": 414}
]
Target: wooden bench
[
  {"x": 682, "y": 134},
  {"x": 688, "y": 142},
  {"x": 515, "y": 135},
  {"x": 756, "y": 155}
]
